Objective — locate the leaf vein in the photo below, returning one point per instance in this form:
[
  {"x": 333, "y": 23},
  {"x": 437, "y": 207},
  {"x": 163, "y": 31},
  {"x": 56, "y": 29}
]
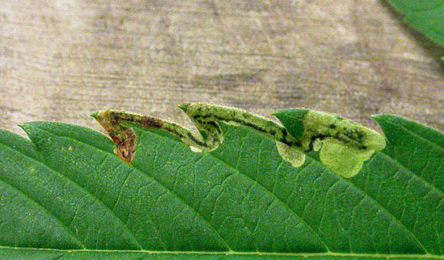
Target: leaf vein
[{"x": 47, "y": 211}]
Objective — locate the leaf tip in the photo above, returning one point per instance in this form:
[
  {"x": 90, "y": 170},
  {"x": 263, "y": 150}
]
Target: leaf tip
[
  {"x": 123, "y": 137},
  {"x": 377, "y": 116},
  {"x": 184, "y": 107},
  {"x": 380, "y": 118},
  {"x": 292, "y": 119},
  {"x": 26, "y": 126},
  {"x": 94, "y": 115}
]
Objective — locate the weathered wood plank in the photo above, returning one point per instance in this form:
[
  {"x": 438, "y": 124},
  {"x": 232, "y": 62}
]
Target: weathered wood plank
[{"x": 62, "y": 60}]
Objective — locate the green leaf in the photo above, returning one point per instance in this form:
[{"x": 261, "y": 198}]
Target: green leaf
[
  {"x": 426, "y": 16},
  {"x": 65, "y": 195}
]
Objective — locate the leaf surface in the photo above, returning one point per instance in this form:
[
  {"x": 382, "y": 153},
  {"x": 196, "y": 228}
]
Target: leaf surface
[
  {"x": 65, "y": 195},
  {"x": 426, "y": 16}
]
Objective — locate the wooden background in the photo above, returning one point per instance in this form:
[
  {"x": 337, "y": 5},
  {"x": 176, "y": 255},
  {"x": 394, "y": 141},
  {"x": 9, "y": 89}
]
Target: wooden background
[{"x": 62, "y": 60}]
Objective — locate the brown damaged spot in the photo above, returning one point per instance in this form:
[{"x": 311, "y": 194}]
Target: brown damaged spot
[
  {"x": 151, "y": 122},
  {"x": 124, "y": 137},
  {"x": 125, "y": 147}
]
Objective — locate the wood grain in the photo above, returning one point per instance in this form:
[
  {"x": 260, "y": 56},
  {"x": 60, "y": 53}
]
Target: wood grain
[{"x": 63, "y": 60}]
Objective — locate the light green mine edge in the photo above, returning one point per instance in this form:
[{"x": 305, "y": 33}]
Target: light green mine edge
[{"x": 344, "y": 145}]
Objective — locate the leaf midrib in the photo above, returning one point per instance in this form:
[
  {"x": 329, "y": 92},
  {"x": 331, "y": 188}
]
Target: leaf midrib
[{"x": 225, "y": 253}]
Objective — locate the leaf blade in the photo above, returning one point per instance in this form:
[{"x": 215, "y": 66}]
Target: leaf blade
[
  {"x": 238, "y": 199},
  {"x": 425, "y": 16}
]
